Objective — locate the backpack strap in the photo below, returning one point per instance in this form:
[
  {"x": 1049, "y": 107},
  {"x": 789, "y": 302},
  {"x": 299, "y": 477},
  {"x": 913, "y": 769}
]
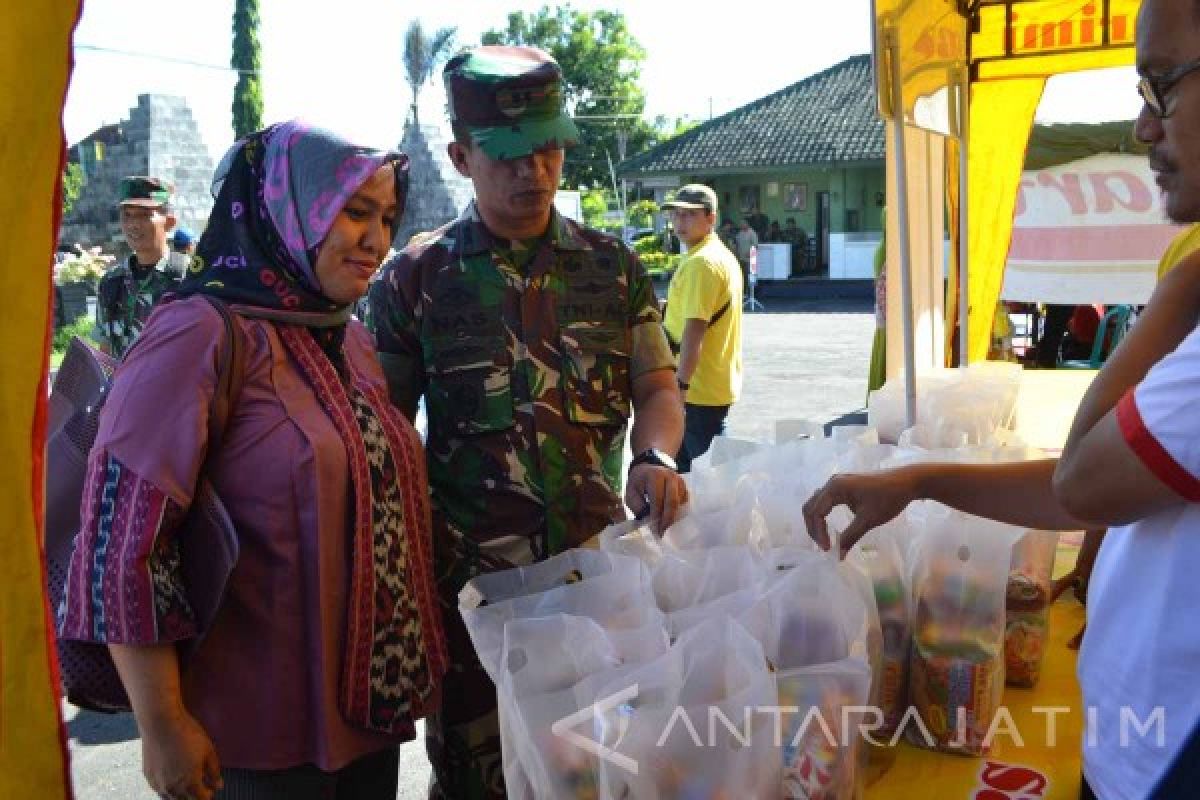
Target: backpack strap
[
  {"x": 230, "y": 375},
  {"x": 675, "y": 346}
]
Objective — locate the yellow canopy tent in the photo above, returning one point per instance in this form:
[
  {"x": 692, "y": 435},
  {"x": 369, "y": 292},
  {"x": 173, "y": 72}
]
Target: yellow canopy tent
[
  {"x": 35, "y": 62},
  {"x": 930, "y": 54}
]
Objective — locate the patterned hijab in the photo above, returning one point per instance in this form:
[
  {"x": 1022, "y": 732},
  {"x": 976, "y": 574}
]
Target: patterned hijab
[{"x": 278, "y": 192}]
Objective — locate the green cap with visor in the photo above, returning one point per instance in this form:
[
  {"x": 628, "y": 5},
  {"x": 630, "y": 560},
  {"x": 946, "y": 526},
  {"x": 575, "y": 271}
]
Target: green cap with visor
[
  {"x": 142, "y": 190},
  {"x": 510, "y": 99}
]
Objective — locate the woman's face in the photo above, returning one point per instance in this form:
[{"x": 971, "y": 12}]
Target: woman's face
[{"x": 359, "y": 239}]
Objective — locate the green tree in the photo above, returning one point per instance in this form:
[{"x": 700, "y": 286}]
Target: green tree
[
  {"x": 595, "y": 206},
  {"x": 247, "y": 60},
  {"x": 641, "y": 213},
  {"x": 601, "y": 63},
  {"x": 422, "y": 54},
  {"x": 72, "y": 184}
]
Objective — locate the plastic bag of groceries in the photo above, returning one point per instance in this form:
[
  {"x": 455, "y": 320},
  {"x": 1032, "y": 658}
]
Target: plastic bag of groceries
[
  {"x": 612, "y": 589},
  {"x": 814, "y": 628},
  {"x": 803, "y": 463},
  {"x": 887, "y": 406},
  {"x": 631, "y": 538},
  {"x": 979, "y": 401},
  {"x": 730, "y": 605},
  {"x": 692, "y": 585},
  {"x": 740, "y": 524},
  {"x": 878, "y": 557},
  {"x": 1027, "y": 606},
  {"x": 687, "y": 578},
  {"x": 779, "y": 502},
  {"x": 933, "y": 436},
  {"x": 956, "y": 674},
  {"x": 865, "y": 458},
  {"x": 551, "y": 669},
  {"x": 849, "y": 436},
  {"x": 687, "y": 724}
]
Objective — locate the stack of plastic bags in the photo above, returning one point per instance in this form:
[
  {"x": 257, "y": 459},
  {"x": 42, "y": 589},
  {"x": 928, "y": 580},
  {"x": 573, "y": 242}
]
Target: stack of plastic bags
[
  {"x": 731, "y": 658},
  {"x": 971, "y": 404}
]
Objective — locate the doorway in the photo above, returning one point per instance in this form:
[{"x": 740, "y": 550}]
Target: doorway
[{"x": 822, "y": 233}]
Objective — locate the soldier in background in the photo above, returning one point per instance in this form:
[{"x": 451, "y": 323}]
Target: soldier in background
[
  {"x": 127, "y": 294},
  {"x": 531, "y": 339}
]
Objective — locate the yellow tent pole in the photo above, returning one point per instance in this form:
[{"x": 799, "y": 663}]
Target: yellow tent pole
[
  {"x": 35, "y": 63},
  {"x": 1001, "y": 114}
]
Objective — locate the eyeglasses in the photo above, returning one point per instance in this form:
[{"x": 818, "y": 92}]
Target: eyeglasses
[{"x": 1155, "y": 88}]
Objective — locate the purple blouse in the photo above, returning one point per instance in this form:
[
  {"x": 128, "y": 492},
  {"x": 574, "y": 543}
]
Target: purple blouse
[{"x": 264, "y": 682}]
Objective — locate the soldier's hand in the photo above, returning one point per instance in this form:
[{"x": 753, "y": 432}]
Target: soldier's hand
[{"x": 665, "y": 490}]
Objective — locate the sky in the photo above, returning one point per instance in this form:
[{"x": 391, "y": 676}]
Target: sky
[{"x": 339, "y": 64}]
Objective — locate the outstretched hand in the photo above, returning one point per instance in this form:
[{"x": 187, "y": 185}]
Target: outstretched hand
[{"x": 874, "y": 499}]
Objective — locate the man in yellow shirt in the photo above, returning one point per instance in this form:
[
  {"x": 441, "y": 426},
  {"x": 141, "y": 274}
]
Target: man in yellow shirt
[{"x": 704, "y": 321}]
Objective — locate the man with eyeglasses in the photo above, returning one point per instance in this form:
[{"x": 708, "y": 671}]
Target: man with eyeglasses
[{"x": 1131, "y": 463}]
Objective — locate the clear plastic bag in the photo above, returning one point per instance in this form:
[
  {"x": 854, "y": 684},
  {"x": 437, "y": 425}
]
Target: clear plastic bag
[
  {"x": 612, "y": 589},
  {"x": 692, "y": 727},
  {"x": 553, "y": 667},
  {"x": 631, "y": 538},
  {"x": 685, "y": 579},
  {"x": 1027, "y": 607},
  {"x": 957, "y": 669},
  {"x": 815, "y": 630},
  {"x": 740, "y": 524},
  {"x": 878, "y": 557}
]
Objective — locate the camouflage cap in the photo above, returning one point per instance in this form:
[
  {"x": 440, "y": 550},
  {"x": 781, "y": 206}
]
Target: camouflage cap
[
  {"x": 142, "y": 190},
  {"x": 510, "y": 99}
]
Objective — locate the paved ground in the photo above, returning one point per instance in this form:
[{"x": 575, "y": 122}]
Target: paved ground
[{"x": 806, "y": 361}]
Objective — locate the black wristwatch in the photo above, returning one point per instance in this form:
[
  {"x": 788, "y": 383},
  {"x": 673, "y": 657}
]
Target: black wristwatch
[{"x": 656, "y": 457}]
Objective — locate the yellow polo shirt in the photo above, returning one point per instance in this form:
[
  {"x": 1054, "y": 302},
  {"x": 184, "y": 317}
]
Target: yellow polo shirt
[{"x": 708, "y": 277}]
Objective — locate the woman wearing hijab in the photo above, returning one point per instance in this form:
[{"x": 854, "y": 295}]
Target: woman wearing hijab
[{"x": 327, "y": 645}]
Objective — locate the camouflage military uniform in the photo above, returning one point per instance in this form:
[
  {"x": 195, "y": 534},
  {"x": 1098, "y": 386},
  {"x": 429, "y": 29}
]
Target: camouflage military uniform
[
  {"x": 526, "y": 362},
  {"x": 124, "y": 303}
]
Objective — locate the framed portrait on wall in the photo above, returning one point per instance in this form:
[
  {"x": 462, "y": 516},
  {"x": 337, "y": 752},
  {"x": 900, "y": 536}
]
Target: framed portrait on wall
[
  {"x": 748, "y": 199},
  {"x": 795, "y": 196}
]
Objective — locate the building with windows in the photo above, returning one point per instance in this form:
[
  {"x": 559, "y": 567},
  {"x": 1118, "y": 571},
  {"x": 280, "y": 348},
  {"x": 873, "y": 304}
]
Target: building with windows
[{"x": 813, "y": 151}]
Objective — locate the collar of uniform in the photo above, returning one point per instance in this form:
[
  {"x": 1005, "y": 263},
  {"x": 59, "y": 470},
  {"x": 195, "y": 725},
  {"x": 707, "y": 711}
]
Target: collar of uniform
[
  {"x": 472, "y": 237},
  {"x": 161, "y": 266},
  {"x": 708, "y": 237}
]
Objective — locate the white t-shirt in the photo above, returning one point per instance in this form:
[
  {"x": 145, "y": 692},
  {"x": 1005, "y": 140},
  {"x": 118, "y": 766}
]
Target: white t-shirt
[{"x": 1141, "y": 652}]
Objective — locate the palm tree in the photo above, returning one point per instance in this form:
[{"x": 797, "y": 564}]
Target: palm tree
[{"x": 422, "y": 54}]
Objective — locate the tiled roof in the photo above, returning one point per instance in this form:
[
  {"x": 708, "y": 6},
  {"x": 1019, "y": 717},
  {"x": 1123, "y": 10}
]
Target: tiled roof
[{"x": 824, "y": 119}]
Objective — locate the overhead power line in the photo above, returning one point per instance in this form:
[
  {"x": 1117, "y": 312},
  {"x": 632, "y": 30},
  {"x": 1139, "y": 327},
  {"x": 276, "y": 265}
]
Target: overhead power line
[{"x": 168, "y": 59}]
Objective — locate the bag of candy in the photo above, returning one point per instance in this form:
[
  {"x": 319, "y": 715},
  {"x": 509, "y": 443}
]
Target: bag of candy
[
  {"x": 1027, "y": 606},
  {"x": 956, "y": 674}
]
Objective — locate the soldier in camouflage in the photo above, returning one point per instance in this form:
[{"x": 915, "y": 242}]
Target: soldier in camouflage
[
  {"x": 127, "y": 294},
  {"x": 531, "y": 338}
]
